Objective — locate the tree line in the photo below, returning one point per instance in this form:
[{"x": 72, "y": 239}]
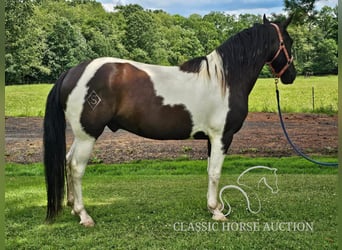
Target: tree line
[{"x": 46, "y": 37}]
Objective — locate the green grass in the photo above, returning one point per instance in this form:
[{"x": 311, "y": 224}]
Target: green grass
[
  {"x": 26, "y": 100},
  {"x": 297, "y": 97},
  {"x": 140, "y": 205},
  {"x": 29, "y": 100}
]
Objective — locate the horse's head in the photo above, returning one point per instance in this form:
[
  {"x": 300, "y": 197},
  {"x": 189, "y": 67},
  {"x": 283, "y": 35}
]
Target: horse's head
[
  {"x": 271, "y": 182},
  {"x": 275, "y": 179},
  {"x": 281, "y": 60}
]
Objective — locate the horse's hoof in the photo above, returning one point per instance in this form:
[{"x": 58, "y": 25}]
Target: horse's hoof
[
  {"x": 218, "y": 216},
  {"x": 88, "y": 223}
]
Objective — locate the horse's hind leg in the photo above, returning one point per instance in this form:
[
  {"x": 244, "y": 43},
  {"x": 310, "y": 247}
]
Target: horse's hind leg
[
  {"x": 70, "y": 190},
  {"x": 77, "y": 161}
]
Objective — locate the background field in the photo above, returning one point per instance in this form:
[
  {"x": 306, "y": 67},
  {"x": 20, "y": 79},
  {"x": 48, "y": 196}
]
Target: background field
[
  {"x": 137, "y": 205},
  {"x": 297, "y": 97},
  {"x": 29, "y": 100}
]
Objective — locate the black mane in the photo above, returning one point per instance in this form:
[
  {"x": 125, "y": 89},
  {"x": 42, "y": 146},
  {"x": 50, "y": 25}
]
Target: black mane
[
  {"x": 194, "y": 65},
  {"x": 244, "y": 54}
]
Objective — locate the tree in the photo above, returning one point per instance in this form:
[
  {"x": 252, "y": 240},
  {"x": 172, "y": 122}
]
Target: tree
[
  {"x": 223, "y": 23},
  {"x": 302, "y": 10},
  {"x": 66, "y": 47},
  {"x": 327, "y": 21},
  {"x": 17, "y": 25},
  {"x": 325, "y": 57},
  {"x": 205, "y": 32},
  {"x": 46, "y": 37},
  {"x": 18, "y": 13},
  {"x": 140, "y": 33},
  {"x": 104, "y": 36},
  {"x": 303, "y": 47},
  {"x": 183, "y": 45},
  {"x": 128, "y": 9}
]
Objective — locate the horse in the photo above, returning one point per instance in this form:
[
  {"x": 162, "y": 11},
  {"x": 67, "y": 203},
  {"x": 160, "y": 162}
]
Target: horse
[
  {"x": 243, "y": 187},
  {"x": 203, "y": 98}
]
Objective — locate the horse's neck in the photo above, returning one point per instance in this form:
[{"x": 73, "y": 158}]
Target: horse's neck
[
  {"x": 256, "y": 184},
  {"x": 243, "y": 58},
  {"x": 261, "y": 179}
]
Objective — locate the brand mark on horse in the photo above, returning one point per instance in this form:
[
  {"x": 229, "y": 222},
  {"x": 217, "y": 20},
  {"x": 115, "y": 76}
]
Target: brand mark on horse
[{"x": 93, "y": 99}]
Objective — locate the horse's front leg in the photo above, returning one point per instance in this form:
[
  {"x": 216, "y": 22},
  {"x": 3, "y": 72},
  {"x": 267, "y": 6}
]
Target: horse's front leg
[{"x": 214, "y": 173}]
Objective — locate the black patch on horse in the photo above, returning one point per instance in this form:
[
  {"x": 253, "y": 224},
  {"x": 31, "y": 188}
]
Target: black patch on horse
[{"x": 194, "y": 65}]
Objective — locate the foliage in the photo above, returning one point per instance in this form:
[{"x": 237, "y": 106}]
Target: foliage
[
  {"x": 67, "y": 47},
  {"x": 45, "y": 37},
  {"x": 29, "y": 100},
  {"x": 137, "y": 206},
  {"x": 302, "y": 10}
]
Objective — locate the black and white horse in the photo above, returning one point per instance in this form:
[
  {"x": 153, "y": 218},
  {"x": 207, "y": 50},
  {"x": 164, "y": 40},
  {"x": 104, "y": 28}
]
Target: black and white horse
[{"x": 204, "y": 98}]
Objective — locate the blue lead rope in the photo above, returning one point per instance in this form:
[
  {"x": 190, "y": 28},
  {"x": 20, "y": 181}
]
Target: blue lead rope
[{"x": 295, "y": 148}]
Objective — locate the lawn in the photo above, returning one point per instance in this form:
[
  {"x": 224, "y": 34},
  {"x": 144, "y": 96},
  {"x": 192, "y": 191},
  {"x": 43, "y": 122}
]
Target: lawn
[
  {"x": 162, "y": 205},
  {"x": 29, "y": 100},
  {"x": 297, "y": 97},
  {"x": 26, "y": 100}
]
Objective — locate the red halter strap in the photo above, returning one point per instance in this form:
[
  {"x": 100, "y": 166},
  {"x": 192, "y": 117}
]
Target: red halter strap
[{"x": 281, "y": 48}]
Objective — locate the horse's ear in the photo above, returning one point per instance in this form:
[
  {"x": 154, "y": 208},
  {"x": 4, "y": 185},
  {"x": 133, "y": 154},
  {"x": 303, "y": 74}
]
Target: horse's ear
[
  {"x": 288, "y": 21},
  {"x": 265, "y": 20}
]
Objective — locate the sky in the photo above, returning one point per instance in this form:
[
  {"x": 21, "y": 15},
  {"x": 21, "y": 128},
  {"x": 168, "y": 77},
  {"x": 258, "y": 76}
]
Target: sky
[{"x": 203, "y": 7}]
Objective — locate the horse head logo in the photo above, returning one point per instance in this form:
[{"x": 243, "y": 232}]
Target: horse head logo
[{"x": 271, "y": 182}]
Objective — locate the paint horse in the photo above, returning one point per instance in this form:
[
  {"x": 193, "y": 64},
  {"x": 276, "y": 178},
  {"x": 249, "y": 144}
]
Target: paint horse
[{"x": 204, "y": 98}]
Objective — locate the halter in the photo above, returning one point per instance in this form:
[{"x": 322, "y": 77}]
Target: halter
[{"x": 281, "y": 48}]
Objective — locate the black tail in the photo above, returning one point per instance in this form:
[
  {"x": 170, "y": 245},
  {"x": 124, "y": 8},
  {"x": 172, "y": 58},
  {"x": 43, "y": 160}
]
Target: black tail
[{"x": 54, "y": 150}]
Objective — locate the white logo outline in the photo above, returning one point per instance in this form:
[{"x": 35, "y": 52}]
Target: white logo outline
[{"x": 240, "y": 185}]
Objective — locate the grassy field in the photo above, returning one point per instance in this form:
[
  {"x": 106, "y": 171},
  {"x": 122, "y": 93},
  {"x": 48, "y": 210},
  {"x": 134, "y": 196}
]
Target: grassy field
[
  {"x": 29, "y": 100},
  {"x": 297, "y": 97},
  {"x": 26, "y": 100},
  {"x": 155, "y": 205}
]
